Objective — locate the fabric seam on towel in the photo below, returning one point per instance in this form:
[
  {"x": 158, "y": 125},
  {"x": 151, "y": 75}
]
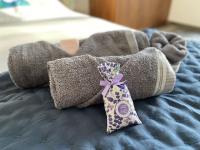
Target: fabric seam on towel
[
  {"x": 161, "y": 78},
  {"x": 130, "y": 36}
]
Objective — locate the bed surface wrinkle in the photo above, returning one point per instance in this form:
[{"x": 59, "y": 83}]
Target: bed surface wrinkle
[{"x": 28, "y": 118}]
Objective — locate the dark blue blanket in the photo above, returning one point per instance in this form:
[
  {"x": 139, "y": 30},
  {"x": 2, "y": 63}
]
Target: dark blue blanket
[{"x": 28, "y": 119}]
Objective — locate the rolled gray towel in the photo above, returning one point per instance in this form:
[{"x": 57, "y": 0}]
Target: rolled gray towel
[
  {"x": 172, "y": 45},
  {"x": 28, "y": 63},
  {"x": 75, "y": 81}
]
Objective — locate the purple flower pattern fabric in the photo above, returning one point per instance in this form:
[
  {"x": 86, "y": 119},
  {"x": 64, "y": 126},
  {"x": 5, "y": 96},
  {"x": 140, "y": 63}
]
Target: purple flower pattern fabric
[{"x": 118, "y": 103}]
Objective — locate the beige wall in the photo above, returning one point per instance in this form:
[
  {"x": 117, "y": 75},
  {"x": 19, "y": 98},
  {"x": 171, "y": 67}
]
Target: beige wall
[
  {"x": 78, "y": 5},
  {"x": 185, "y": 12},
  {"x": 82, "y": 6}
]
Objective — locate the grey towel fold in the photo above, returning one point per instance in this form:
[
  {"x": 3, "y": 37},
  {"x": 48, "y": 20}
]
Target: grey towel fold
[
  {"x": 75, "y": 81},
  {"x": 27, "y": 63},
  {"x": 115, "y": 43},
  {"x": 172, "y": 45}
]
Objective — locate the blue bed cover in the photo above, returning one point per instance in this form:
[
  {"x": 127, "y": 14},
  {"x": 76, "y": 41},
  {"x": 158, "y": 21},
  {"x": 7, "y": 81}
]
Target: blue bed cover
[{"x": 28, "y": 119}]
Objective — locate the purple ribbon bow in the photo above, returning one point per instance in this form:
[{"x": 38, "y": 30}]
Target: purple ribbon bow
[{"x": 107, "y": 84}]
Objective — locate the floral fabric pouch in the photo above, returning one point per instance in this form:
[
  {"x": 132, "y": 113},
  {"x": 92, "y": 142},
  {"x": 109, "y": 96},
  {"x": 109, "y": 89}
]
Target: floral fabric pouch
[{"x": 118, "y": 103}]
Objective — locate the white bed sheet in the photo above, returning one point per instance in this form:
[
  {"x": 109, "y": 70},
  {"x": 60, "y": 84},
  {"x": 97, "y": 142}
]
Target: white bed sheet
[{"x": 52, "y": 31}]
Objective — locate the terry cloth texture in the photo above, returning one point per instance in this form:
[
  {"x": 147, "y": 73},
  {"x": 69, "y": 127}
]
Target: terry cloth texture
[
  {"x": 75, "y": 81},
  {"x": 28, "y": 63},
  {"x": 115, "y": 43},
  {"x": 172, "y": 45}
]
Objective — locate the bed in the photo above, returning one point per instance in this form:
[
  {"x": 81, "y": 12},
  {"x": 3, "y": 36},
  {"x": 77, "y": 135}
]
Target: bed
[{"x": 29, "y": 120}]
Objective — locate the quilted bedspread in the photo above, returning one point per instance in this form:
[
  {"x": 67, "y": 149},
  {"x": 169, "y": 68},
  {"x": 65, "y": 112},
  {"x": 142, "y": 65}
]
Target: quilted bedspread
[{"x": 28, "y": 119}]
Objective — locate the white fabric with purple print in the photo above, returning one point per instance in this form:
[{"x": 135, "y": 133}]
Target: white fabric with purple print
[{"x": 118, "y": 103}]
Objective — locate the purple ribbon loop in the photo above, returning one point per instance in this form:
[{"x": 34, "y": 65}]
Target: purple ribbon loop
[{"x": 107, "y": 84}]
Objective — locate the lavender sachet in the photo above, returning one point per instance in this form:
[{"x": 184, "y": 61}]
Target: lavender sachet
[{"x": 118, "y": 103}]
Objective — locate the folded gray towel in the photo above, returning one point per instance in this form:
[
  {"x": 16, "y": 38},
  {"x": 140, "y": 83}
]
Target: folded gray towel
[
  {"x": 172, "y": 45},
  {"x": 28, "y": 63},
  {"x": 75, "y": 81}
]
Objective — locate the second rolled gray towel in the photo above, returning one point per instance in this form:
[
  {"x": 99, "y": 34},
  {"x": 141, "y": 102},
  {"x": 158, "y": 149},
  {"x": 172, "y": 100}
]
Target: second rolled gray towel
[
  {"x": 75, "y": 81},
  {"x": 28, "y": 63}
]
